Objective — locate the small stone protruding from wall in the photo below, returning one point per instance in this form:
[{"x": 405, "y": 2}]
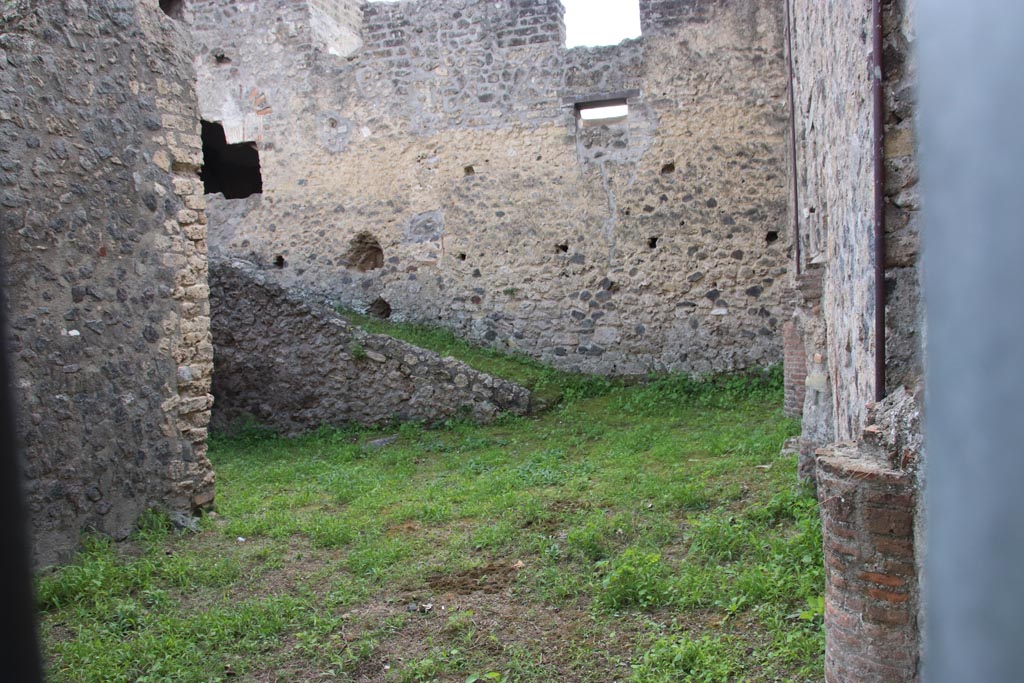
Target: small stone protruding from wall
[{"x": 894, "y": 425}]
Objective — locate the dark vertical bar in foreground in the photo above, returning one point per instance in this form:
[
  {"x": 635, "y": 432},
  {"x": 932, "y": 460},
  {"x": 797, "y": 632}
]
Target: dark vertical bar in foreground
[
  {"x": 19, "y": 645},
  {"x": 878, "y": 144},
  {"x": 972, "y": 152},
  {"x": 792, "y": 137}
]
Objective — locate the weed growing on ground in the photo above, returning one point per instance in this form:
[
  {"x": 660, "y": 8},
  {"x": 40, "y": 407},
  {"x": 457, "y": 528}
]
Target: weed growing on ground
[
  {"x": 638, "y": 533},
  {"x": 634, "y": 578}
]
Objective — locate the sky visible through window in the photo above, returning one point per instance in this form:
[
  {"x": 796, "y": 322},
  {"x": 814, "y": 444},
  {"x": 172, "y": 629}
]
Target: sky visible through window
[
  {"x": 600, "y": 22},
  {"x": 597, "y": 22},
  {"x": 614, "y": 111}
]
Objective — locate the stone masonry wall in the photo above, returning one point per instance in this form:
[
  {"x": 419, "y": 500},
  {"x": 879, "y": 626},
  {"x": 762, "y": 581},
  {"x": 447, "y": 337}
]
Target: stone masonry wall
[
  {"x": 832, "y": 57},
  {"x": 104, "y": 252},
  {"x": 296, "y": 366},
  {"x": 868, "y": 454},
  {"x": 336, "y": 25},
  {"x": 449, "y": 146}
]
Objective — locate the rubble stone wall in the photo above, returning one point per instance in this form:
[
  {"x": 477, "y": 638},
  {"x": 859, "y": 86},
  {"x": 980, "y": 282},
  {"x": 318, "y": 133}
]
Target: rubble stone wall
[
  {"x": 832, "y": 92},
  {"x": 450, "y": 141},
  {"x": 296, "y": 366},
  {"x": 104, "y": 249},
  {"x": 868, "y": 455}
]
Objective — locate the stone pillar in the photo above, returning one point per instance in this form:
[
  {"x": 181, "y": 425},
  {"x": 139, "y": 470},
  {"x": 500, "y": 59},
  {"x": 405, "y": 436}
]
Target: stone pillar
[{"x": 871, "y": 591}]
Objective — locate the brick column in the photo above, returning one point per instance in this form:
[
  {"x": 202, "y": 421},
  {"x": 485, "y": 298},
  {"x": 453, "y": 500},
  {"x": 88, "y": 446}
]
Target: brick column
[
  {"x": 794, "y": 369},
  {"x": 867, "y": 511}
]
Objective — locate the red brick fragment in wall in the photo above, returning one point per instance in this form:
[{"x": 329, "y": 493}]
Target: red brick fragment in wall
[
  {"x": 794, "y": 369},
  {"x": 871, "y": 592}
]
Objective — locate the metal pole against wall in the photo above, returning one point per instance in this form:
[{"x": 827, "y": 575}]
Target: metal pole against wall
[{"x": 972, "y": 153}]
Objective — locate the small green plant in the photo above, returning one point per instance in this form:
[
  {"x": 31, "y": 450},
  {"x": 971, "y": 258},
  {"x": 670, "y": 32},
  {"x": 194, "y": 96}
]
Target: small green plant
[
  {"x": 689, "y": 496},
  {"x": 153, "y": 525},
  {"x": 634, "y": 578},
  {"x": 681, "y": 659},
  {"x": 483, "y": 678},
  {"x": 357, "y": 351},
  {"x": 590, "y": 541},
  {"x": 815, "y": 612},
  {"x": 721, "y": 538},
  {"x": 460, "y": 623}
]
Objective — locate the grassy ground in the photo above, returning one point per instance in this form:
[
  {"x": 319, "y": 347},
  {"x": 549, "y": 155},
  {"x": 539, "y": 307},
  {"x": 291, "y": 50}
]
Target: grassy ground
[{"x": 644, "y": 534}]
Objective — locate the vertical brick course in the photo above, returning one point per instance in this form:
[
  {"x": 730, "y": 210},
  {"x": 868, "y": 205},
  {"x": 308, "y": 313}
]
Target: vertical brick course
[
  {"x": 871, "y": 591},
  {"x": 794, "y": 369}
]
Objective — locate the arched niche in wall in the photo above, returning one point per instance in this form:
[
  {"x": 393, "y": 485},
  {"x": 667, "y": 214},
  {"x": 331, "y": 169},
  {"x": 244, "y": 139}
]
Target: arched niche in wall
[
  {"x": 175, "y": 9},
  {"x": 365, "y": 252}
]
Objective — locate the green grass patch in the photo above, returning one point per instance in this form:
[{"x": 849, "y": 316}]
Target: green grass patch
[{"x": 643, "y": 533}]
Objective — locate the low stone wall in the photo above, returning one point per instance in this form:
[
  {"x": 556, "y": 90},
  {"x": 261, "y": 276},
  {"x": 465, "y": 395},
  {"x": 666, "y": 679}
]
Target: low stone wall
[{"x": 294, "y": 365}]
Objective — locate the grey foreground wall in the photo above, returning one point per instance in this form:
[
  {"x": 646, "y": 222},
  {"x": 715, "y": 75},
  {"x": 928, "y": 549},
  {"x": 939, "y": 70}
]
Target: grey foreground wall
[
  {"x": 294, "y": 365},
  {"x": 103, "y": 240},
  {"x": 972, "y": 91}
]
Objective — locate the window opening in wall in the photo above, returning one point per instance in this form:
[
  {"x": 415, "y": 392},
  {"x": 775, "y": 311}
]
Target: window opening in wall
[
  {"x": 365, "y": 253},
  {"x": 173, "y": 8},
  {"x": 613, "y": 22},
  {"x": 772, "y": 236},
  {"x": 604, "y": 111},
  {"x": 232, "y": 170},
  {"x": 652, "y": 242}
]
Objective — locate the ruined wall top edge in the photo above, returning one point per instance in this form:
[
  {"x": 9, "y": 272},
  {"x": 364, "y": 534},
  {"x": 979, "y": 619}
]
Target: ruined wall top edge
[{"x": 345, "y": 24}]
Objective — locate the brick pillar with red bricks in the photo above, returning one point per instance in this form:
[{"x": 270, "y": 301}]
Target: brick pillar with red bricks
[
  {"x": 794, "y": 368},
  {"x": 871, "y": 591}
]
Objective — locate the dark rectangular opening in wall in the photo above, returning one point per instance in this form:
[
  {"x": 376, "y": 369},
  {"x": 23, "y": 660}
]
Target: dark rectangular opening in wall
[
  {"x": 232, "y": 170},
  {"x": 173, "y": 8}
]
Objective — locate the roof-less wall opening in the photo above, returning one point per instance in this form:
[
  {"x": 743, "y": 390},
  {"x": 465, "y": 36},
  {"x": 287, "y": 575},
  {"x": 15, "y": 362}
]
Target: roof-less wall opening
[
  {"x": 232, "y": 170},
  {"x": 608, "y": 22}
]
